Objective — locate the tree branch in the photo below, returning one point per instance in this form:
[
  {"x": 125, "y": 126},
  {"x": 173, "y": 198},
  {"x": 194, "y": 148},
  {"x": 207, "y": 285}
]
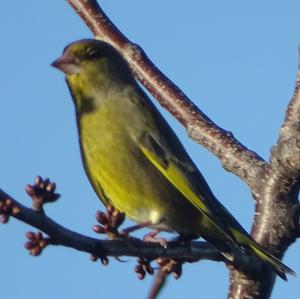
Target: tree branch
[
  {"x": 234, "y": 156},
  {"x": 60, "y": 235},
  {"x": 122, "y": 246},
  {"x": 276, "y": 221}
]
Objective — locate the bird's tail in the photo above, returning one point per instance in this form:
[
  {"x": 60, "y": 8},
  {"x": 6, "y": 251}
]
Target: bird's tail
[{"x": 274, "y": 263}]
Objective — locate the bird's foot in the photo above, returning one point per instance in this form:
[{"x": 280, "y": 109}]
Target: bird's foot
[{"x": 151, "y": 237}]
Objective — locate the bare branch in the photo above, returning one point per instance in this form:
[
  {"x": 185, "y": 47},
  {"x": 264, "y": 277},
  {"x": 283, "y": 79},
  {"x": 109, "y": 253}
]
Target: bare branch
[
  {"x": 235, "y": 157},
  {"x": 175, "y": 253},
  {"x": 286, "y": 154},
  {"x": 276, "y": 221},
  {"x": 60, "y": 235},
  {"x": 293, "y": 113}
]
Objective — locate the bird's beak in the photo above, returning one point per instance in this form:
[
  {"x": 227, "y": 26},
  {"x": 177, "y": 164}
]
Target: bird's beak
[{"x": 67, "y": 63}]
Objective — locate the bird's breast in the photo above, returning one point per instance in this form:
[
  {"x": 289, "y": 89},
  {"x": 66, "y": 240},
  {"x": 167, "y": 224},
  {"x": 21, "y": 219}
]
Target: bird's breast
[{"x": 119, "y": 170}]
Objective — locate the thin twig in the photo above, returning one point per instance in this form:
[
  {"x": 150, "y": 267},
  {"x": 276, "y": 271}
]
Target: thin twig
[{"x": 159, "y": 282}]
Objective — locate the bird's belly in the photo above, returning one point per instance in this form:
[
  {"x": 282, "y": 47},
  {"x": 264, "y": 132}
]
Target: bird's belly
[
  {"x": 119, "y": 171},
  {"x": 128, "y": 185}
]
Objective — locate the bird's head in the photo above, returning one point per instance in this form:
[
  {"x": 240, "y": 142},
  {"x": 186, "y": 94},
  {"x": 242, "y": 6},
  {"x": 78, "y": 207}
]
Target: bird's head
[
  {"x": 94, "y": 71},
  {"x": 90, "y": 57}
]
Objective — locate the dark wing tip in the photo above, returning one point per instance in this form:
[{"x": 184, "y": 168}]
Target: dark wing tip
[{"x": 283, "y": 270}]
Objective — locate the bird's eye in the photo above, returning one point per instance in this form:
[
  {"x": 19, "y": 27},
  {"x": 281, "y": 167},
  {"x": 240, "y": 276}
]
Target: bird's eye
[{"x": 92, "y": 53}]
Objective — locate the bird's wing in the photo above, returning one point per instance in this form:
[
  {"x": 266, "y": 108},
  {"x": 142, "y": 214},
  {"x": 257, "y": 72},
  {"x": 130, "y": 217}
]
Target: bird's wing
[
  {"x": 171, "y": 170},
  {"x": 170, "y": 158},
  {"x": 164, "y": 150}
]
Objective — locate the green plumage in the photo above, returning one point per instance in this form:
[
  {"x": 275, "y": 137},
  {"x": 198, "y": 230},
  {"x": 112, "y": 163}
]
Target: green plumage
[{"x": 135, "y": 161}]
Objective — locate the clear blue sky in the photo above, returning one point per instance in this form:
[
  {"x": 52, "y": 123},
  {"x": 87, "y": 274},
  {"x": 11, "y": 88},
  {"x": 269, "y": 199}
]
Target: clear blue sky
[{"x": 236, "y": 60}]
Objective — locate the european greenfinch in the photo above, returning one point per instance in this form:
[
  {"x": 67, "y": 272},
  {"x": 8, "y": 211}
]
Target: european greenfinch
[{"x": 134, "y": 160}]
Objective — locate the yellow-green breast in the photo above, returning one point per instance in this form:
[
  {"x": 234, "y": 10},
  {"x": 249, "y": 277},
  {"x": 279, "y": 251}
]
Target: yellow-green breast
[{"x": 119, "y": 171}]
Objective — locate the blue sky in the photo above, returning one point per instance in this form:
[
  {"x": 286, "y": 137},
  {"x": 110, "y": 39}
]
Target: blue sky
[{"x": 236, "y": 60}]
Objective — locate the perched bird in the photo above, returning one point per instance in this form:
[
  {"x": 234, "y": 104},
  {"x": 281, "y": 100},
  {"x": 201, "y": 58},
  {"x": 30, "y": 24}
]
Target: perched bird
[{"x": 134, "y": 160}]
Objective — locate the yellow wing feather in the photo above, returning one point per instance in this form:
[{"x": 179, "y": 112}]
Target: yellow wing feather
[{"x": 175, "y": 176}]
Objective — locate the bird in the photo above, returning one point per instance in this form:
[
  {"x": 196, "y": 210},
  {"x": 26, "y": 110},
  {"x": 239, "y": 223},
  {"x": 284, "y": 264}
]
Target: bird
[{"x": 134, "y": 160}]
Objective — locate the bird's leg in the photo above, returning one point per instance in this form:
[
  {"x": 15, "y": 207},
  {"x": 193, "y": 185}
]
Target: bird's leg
[
  {"x": 151, "y": 237},
  {"x": 134, "y": 228}
]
